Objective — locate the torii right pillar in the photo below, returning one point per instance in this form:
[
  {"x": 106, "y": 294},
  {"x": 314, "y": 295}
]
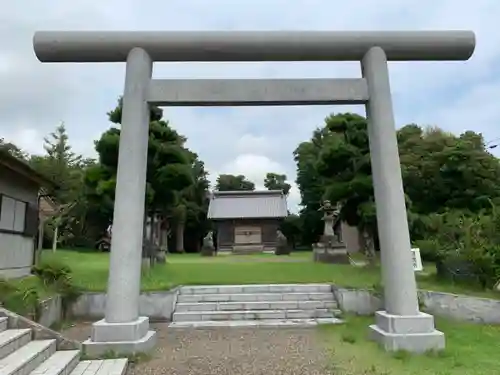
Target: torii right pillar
[{"x": 401, "y": 326}]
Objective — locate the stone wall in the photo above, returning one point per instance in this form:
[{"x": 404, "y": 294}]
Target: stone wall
[
  {"x": 460, "y": 307},
  {"x": 159, "y": 306},
  {"x": 50, "y": 311},
  {"x": 482, "y": 310}
]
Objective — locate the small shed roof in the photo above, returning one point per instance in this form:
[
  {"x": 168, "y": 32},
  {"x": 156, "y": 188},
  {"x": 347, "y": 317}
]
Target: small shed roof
[
  {"x": 247, "y": 205},
  {"x": 22, "y": 168}
]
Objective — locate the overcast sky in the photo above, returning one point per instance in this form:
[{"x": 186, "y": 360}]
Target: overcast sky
[{"x": 35, "y": 97}]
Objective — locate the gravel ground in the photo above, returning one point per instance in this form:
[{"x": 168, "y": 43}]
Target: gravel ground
[{"x": 225, "y": 351}]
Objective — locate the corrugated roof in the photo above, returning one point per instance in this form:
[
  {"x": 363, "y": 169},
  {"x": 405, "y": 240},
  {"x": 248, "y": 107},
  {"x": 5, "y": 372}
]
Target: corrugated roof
[{"x": 247, "y": 204}]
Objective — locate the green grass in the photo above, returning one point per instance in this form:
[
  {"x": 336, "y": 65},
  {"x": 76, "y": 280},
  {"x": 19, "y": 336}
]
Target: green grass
[
  {"x": 471, "y": 349},
  {"x": 91, "y": 272}
]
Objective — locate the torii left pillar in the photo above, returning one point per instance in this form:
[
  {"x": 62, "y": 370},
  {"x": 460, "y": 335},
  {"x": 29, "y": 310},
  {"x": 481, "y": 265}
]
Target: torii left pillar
[{"x": 122, "y": 330}]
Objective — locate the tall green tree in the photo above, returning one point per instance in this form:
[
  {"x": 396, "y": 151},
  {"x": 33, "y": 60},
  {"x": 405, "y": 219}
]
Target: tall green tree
[
  {"x": 65, "y": 169},
  {"x": 60, "y": 164},
  {"x": 441, "y": 171},
  {"x": 229, "y": 182},
  {"x": 170, "y": 171},
  {"x": 276, "y": 181},
  {"x": 444, "y": 171}
]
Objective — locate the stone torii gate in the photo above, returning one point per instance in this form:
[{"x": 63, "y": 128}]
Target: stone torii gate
[{"x": 401, "y": 325}]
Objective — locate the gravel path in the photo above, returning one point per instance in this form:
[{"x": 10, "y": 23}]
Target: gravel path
[{"x": 236, "y": 351}]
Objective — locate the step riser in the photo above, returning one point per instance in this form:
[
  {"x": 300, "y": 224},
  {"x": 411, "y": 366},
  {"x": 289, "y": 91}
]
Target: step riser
[
  {"x": 231, "y": 306},
  {"x": 232, "y": 289},
  {"x": 295, "y": 323},
  {"x": 262, "y": 297},
  {"x": 254, "y": 315},
  {"x": 15, "y": 344},
  {"x": 71, "y": 366}
]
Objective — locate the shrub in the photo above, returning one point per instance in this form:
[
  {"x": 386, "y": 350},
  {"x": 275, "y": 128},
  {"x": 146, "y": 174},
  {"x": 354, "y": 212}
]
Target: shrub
[
  {"x": 21, "y": 300},
  {"x": 429, "y": 249},
  {"x": 58, "y": 276},
  {"x": 466, "y": 248},
  {"x": 51, "y": 272}
]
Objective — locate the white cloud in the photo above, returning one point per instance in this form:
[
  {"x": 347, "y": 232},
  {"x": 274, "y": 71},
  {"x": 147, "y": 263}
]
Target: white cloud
[
  {"x": 252, "y": 166},
  {"x": 35, "y": 97},
  {"x": 249, "y": 143}
]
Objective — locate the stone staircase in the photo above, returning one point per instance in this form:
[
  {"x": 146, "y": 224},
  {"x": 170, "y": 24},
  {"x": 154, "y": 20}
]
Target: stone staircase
[
  {"x": 19, "y": 355},
  {"x": 276, "y": 305}
]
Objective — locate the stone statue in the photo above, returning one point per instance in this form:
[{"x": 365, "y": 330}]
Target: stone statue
[
  {"x": 331, "y": 217},
  {"x": 282, "y": 247},
  {"x": 281, "y": 238},
  {"x": 330, "y": 249},
  {"x": 208, "y": 248},
  {"x": 208, "y": 241}
]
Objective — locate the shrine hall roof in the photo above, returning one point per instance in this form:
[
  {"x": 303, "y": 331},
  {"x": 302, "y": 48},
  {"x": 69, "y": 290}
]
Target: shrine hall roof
[{"x": 259, "y": 204}]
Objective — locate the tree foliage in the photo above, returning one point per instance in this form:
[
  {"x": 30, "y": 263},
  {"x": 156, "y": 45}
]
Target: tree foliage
[
  {"x": 13, "y": 150},
  {"x": 229, "y": 182},
  {"x": 168, "y": 163},
  {"x": 276, "y": 181},
  {"x": 176, "y": 180},
  {"x": 440, "y": 171}
]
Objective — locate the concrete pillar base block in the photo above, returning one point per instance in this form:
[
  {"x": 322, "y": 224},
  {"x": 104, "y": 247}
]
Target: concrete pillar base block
[
  {"x": 143, "y": 345},
  {"x": 103, "y": 331},
  {"x": 413, "y": 333}
]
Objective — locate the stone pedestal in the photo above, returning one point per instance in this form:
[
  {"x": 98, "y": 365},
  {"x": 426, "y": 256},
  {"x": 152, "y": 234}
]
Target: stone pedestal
[
  {"x": 330, "y": 250},
  {"x": 121, "y": 338},
  {"x": 207, "y": 251},
  {"x": 413, "y": 333}
]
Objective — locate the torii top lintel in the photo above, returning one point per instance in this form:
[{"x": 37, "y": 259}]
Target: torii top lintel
[{"x": 114, "y": 46}]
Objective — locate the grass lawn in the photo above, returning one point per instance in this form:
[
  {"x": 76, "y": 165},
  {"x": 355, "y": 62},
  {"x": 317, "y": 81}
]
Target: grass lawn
[
  {"x": 471, "y": 349},
  {"x": 91, "y": 272}
]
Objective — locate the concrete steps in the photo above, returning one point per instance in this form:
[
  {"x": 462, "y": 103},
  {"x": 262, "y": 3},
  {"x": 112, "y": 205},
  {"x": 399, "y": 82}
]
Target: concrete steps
[
  {"x": 255, "y": 305},
  {"x": 27, "y": 358},
  {"x": 255, "y": 296},
  {"x": 19, "y": 355},
  {"x": 101, "y": 367}
]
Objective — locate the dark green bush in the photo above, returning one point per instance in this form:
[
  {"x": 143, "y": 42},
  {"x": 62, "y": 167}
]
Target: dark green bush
[
  {"x": 467, "y": 248},
  {"x": 429, "y": 249}
]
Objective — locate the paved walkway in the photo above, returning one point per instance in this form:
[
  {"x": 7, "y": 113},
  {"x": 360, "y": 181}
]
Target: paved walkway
[{"x": 237, "y": 351}]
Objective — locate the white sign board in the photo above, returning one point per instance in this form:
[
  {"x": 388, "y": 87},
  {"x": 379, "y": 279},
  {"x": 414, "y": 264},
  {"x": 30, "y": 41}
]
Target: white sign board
[{"x": 417, "y": 260}]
